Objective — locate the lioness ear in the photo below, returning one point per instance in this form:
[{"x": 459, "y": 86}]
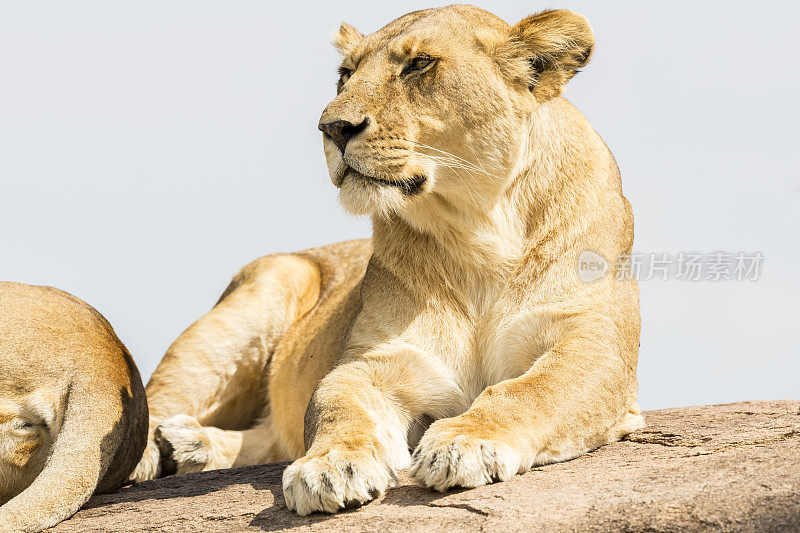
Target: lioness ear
[
  {"x": 346, "y": 38},
  {"x": 545, "y": 50}
]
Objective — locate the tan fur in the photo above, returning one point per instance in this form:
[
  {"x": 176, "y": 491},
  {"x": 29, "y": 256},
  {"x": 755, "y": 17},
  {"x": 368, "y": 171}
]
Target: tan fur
[
  {"x": 73, "y": 414},
  {"x": 462, "y": 329}
]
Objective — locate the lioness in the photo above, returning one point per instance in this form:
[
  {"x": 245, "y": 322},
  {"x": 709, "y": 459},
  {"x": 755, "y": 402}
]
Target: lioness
[
  {"x": 73, "y": 413},
  {"x": 461, "y": 330}
]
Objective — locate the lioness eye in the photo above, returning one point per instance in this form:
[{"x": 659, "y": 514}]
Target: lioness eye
[
  {"x": 419, "y": 63},
  {"x": 344, "y": 75},
  {"x": 25, "y": 425}
]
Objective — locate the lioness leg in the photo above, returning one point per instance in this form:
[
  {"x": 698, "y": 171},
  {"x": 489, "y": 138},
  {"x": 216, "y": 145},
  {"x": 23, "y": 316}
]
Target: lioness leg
[
  {"x": 215, "y": 372},
  {"x": 356, "y": 428},
  {"x": 574, "y": 398}
]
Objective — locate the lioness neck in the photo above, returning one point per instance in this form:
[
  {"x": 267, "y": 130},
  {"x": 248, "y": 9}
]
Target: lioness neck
[{"x": 560, "y": 183}]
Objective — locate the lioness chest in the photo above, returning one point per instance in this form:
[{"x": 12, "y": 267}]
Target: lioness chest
[
  {"x": 494, "y": 342},
  {"x": 463, "y": 346}
]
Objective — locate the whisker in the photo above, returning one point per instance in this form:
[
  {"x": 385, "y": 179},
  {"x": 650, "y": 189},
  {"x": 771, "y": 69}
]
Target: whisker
[
  {"x": 455, "y": 169},
  {"x": 468, "y": 165}
]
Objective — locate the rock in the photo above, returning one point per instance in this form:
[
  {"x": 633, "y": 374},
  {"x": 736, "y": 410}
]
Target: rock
[{"x": 724, "y": 467}]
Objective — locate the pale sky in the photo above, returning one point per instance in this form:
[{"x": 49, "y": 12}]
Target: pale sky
[{"x": 149, "y": 149}]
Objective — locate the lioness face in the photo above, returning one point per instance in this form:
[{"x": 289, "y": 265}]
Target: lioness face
[
  {"x": 422, "y": 111},
  {"x": 433, "y": 111}
]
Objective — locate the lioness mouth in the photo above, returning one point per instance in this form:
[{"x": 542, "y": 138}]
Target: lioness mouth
[{"x": 407, "y": 187}]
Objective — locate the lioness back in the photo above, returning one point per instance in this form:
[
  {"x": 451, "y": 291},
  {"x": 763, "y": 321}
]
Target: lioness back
[{"x": 73, "y": 414}]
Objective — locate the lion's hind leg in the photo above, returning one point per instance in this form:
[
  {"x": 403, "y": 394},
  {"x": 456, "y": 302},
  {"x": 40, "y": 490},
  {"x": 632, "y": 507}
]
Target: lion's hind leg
[{"x": 215, "y": 373}]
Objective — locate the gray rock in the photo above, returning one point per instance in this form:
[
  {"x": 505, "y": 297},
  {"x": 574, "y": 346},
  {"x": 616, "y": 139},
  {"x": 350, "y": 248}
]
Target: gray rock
[{"x": 732, "y": 467}]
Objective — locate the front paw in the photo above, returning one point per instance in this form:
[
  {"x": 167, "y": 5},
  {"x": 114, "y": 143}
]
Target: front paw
[
  {"x": 334, "y": 479},
  {"x": 451, "y": 455}
]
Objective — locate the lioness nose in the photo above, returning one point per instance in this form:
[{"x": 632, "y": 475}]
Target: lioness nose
[{"x": 341, "y": 131}]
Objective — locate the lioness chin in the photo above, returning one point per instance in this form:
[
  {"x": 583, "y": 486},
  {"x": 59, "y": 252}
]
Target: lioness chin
[{"x": 461, "y": 331}]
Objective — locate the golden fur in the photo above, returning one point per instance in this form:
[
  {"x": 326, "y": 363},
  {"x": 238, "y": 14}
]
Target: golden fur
[
  {"x": 461, "y": 330},
  {"x": 73, "y": 414}
]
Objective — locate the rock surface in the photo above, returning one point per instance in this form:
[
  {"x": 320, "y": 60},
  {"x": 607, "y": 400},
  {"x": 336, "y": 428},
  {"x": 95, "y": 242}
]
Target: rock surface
[{"x": 725, "y": 467}]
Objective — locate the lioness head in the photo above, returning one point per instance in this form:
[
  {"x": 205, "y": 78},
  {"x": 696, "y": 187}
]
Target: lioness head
[{"x": 435, "y": 109}]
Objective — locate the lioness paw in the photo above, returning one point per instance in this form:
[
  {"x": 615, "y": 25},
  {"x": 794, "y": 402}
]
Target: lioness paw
[
  {"x": 334, "y": 480},
  {"x": 446, "y": 458},
  {"x": 184, "y": 445}
]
